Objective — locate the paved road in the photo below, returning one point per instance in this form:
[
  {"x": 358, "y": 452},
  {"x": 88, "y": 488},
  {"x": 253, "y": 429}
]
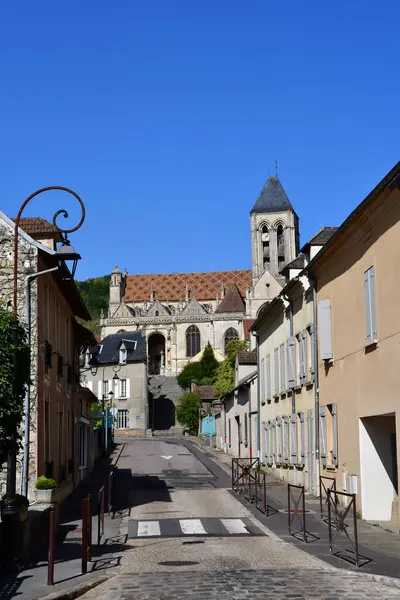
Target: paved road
[{"x": 188, "y": 537}]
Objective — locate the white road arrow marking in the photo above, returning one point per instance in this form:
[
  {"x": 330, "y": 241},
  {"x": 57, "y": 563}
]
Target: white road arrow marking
[{"x": 167, "y": 457}]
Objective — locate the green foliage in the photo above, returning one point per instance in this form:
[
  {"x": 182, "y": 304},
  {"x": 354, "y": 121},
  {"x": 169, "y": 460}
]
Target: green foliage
[
  {"x": 225, "y": 374},
  {"x": 187, "y": 412},
  {"x": 45, "y": 483},
  {"x": 95, "y": 294},
  {"x": 12, "y": 383},
  {"x": 201, "y": 372},
  {"x": 97, "y": 408}
]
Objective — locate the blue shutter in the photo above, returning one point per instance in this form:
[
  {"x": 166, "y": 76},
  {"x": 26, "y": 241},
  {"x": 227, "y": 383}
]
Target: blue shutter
[
  {"x": 335, "y": 435},
  {"x": 370, "y": 311},
  {"x": 294, "y": 438},
  {"x": 268, "y": 376},
  {"x": 312, "y": 341},
  {"x": 291, "y": 349},
  {"x": 322, "y": 433},
  {"x": 276, "y": 365},
  {"x": 325, "y": 329}
]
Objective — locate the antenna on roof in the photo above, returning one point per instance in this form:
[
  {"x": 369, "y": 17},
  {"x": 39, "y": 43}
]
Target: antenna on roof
[{"x": 276, "y": 168}]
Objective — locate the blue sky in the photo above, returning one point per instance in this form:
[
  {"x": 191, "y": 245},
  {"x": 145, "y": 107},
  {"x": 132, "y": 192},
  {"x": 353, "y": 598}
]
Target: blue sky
[{"x": 166, "y": 117}]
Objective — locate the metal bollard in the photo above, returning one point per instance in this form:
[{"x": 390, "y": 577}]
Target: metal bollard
[
  {"x": 89, "y": 525},
  {"x": 84, "y": 536},
  {"x": 50, "y": 557}
]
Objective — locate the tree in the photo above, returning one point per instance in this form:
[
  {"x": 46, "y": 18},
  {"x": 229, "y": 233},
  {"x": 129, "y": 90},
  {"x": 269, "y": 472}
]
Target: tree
[
  {"x": 95, "y": 293},
  {"x": 12, "y": 383},
  {"x": 187, "y": 412},
  {"x": 201, "y": 372},
  {"x": 225, "y": 374}
]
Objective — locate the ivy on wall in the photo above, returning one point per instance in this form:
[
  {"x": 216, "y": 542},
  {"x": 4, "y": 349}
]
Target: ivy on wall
[{"x": 12, "y": 384}]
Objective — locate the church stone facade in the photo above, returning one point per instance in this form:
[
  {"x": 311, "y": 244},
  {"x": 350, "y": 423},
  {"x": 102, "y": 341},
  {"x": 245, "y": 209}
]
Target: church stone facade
[{"x": 179, "y": 313}]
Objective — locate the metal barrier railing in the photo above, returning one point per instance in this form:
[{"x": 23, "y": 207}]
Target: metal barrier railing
[
  {"x": 242, "y": 475},
  {"x": 297, "y": 512},
  {"x": 100, "y": 514},
  {"x": 324, "y": 486},
  {"x": 337, "y": 525}
]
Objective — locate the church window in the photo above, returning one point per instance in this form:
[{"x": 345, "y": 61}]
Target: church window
[
  {"x": 230, "y": 335},
  {"x": 157, "y": 313},
  {"x": 265, "y": 247},
  {"x": 192, "y": 341}
]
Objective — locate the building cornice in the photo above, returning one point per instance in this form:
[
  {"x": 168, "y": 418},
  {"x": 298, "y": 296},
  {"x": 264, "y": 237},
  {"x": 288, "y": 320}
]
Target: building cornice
[{"x": 171, "y": 319}]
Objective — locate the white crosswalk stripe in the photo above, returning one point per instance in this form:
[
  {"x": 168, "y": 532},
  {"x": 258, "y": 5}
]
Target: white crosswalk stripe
[
  {"x": 192, "y": 527},
  {"x": 148, "y": 529},
  {"x": 235, "y": 526},
  {"x": 207, "y": 526}
]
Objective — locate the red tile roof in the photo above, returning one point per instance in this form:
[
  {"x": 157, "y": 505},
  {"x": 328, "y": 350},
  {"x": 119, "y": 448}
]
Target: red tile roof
[
  {"x": 38, "y": 227},
  {"x": 172, "y": 286},
  {"x": 247, "y": 323}
]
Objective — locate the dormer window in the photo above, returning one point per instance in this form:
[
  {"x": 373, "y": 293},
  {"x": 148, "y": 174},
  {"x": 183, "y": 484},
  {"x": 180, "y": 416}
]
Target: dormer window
[{"x": 123, "y": 354}]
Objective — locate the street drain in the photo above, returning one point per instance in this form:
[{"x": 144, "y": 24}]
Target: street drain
[
  {"x": 194, "y": 542},
  {"x": 177, "y": 563}
]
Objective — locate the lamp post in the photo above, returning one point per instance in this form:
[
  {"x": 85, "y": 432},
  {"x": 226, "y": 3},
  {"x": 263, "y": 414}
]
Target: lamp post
[{"x": 65, "y": 252}]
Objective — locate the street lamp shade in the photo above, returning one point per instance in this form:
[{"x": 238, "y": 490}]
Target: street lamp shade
[
  {"x": 116, "y": 378},
  {"x": 111, "y": 396},
  {"x": 67, "y": 252}
]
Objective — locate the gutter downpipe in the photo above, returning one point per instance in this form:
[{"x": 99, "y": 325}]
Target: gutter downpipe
[
  {"x": 25, "y": 465},
  {"x": 316, "y": 386}
]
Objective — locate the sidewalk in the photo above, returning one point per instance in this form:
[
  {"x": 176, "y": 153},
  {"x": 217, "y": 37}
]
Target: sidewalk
[
  {"x": 31, "y": 583},
  {"x": 375, "y": 543}
]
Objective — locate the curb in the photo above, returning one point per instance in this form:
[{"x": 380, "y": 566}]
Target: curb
[
  {"x": 384, "y": 579},
  {"x": 116, "y": 459},
  {"x": 75, "y": 591}
]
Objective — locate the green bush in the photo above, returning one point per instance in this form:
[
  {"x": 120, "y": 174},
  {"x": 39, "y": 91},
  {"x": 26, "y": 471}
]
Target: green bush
[
  {"x": 45, "y": 483},
  {"x": 187, "y": 412}
]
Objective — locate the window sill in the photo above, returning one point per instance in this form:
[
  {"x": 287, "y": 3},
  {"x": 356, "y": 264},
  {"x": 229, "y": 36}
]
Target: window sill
[
  {"x": 276, "y": 396},
  {"x": 308, "y": 383},
  {"x": 297, "y": 388},
  {"x": 263, "y": 402},
  {"x": 331, "y": 468}
]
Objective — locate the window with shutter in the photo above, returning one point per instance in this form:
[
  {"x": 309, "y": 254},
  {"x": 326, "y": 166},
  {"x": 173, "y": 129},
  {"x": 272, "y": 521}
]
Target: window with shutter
[
  {"x": 323, "y": 433},
  {"x": 286, "y": 439},
  {"x": 370, "y": 313},
  {"x": 276, "y": 371},
  {"x": 266, "y": 441},
  {"x": 291, "y": 352},
  {"x": 268, "y": 376},
  {"x": 293, "y": 427},
  {"x": 282, "y": 364},
  {"x": 273, "y": 432},
  {"x": 325, "y": 329},
  {"x": 305, "y": 356}
]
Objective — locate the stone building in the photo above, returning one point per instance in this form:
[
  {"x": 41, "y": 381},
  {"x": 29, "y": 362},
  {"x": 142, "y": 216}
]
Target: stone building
[
  {"x": 180, "y": 313},
  {"x": 60, "y": 442}
]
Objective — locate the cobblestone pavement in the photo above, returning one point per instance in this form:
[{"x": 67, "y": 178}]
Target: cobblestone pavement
[{"x": 242, "y": 585}]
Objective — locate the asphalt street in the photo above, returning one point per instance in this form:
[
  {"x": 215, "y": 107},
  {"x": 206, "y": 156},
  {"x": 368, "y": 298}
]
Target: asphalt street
[{"x": 187, "y": 536}]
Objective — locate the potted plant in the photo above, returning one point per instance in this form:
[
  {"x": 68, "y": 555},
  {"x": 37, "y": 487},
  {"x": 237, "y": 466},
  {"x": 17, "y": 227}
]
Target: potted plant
[{"x": 44, "y": 488}]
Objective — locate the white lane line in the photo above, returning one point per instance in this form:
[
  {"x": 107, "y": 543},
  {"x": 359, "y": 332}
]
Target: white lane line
[
  {"x": 148, "y": 528},
  {"x": 234, "y": 526},
  {"x": 192, "y": 527}
]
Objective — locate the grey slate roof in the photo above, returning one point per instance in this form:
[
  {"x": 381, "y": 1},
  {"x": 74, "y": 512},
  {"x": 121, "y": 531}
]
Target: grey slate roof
[
  {"x": 320, "y": 238},
  {"x": 110, "y": 347},
  {"x": 232, "y": 301},
  {"x": 247, "y": 358},
  {"x": 298, "y": 263},
  {"x": 272, "y": 198}
]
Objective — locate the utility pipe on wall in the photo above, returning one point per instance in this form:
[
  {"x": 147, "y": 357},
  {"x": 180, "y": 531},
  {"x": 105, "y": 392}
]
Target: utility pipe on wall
[
  {"x": 25, "y": 469},
  {"x": 316, "y": 385},
  {"x": 258, "y": 399}
]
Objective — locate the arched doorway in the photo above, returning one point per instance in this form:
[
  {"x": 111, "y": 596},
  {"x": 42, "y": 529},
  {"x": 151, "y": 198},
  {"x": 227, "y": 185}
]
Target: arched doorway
[{"x": 156, "y": 353}]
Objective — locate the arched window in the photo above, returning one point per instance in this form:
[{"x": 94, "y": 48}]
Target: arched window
[
  {"x": 192, "y": 341},
  {"x": 265, "y": 247},
  {"x": 230, "y": 335},
  {"x": 281, "y": 246},
  {"x": 157, "y": 313}
]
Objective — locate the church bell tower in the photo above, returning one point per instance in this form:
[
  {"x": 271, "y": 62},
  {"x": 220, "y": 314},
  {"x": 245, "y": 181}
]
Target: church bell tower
[{"x": 274, "y": 230}]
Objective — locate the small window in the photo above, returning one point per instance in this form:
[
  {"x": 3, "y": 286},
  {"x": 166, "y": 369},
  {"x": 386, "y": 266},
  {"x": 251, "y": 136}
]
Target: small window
[
  {"x": 60, "y": 366},
  {"x": 157, "y": 313},
  {"x": 48, "y": 350},
  {"x": 123, "y": 354},
  {"x": 123, "y": 388},
  {"x": 105, "y": 387},
  {"x": 331, "y": 435},
  {"x": 276, "y": 371}
]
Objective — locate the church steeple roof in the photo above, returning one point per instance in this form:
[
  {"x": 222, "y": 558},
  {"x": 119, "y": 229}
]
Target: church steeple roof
[
  {"x": 232, "y": 302},
  {"x": 272, "y": 198}
]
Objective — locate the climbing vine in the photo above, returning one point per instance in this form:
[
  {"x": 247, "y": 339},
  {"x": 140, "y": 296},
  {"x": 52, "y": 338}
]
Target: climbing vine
[{"x": 12, "y": 382}]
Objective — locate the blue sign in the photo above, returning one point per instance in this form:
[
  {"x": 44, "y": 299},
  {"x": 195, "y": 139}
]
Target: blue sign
[{"x": 138, "y": 416}]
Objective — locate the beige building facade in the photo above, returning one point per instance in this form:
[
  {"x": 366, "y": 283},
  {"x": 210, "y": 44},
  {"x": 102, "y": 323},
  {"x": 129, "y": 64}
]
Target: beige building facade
[{"x": 358, "y": 279}]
